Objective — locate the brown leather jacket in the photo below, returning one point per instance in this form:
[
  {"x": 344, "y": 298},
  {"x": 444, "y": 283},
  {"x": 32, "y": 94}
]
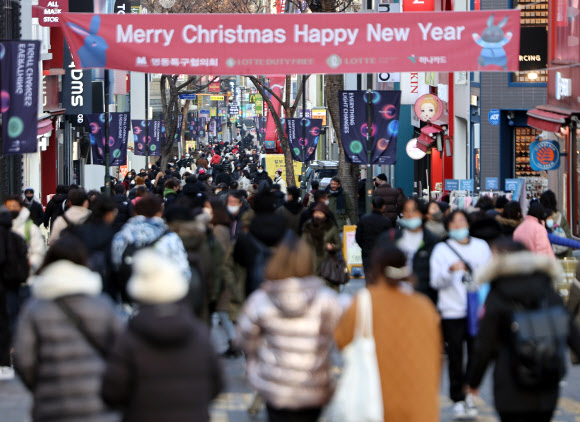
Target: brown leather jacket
[{"x": 286, "y": 330}]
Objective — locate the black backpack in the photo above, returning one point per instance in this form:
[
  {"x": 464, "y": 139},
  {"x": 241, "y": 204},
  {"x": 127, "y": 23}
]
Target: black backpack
[
  {"x": 15, "y": 269},
  {"x": 539, "y": 342}
]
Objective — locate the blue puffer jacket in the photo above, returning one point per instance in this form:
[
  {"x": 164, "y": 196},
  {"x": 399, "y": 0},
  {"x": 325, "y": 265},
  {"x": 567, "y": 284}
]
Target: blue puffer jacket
[
  {"x": 563, "y": 241},
  {"x": 140, "y": 231}
]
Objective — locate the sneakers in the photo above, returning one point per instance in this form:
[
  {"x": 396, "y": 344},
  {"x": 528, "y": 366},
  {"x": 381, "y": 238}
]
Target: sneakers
[
  {"x": 465, "y": 410},
  {"x": 6, "y": 373},
  {"x": 472, "y": 412},
  {"x": 459, "y": 411}
]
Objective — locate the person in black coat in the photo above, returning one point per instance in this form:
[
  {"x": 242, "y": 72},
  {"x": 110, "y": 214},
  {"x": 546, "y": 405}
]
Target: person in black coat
[
  {"x": 522, "y": 279},
  {"x": 35, "y": 208},
  {"x": 55, "y": 206},
  {"x": 320, "y": 197},
  {"x": 163, "y": 367},
  {"x": 124, "y": 207},
  {"x": 369, "y": 229}
]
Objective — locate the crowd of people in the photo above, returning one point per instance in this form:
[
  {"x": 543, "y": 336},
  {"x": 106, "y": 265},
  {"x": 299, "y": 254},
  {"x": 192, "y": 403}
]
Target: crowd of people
[{"x": 109, "y": 317}]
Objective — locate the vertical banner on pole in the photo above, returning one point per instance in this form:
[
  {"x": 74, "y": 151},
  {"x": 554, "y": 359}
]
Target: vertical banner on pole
[
  {"x": 19, "y": 78},
  {"x": 118, "y": 136},
  {"x": 139, "y": 136},
  {"x": 353, "y": 126},
  {"x": 303, "y": 149},
  {"x": 163, "y": 136}
]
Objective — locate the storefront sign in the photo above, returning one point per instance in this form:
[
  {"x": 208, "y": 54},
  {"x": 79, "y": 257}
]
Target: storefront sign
[
  {"x": 451, "y": 184},
  {"x": 491, "y": 183},
  {"x": 215, "y": 86},
  {"x": 428, "y": 108},
  {"x": 303, "y": 137},
  {"x": 353, "y": 125},
  {"x": 418, "y": 5},
  {"x": 389, "y": 77},
  {"x": 48, "y": 12},
  {"x": 412, "y": 87},
  {"x": 467, "y": 184},
  {"x": 493, "y": 117},
  {"x": 319, "y": 113},
  {"x": 77, "y": 92},
  {"x": 117, "y": 142},
  {"x": 545, "y": 155},
  {"x": 277, "y": 161},
  {"x": 533, "y": 48},
  {"x": 275, "y": 44},
  {"x": 122, "y": 7},
  {"x": 511, "y": 185},
  {"x": 234, "y": 109},
  {"x": 216, "y": 98},
  {"x": 19, "y": 71}
]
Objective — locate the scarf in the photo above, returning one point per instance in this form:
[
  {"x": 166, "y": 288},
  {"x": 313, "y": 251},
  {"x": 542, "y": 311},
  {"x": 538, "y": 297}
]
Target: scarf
[{"x": 340, "y": 201}]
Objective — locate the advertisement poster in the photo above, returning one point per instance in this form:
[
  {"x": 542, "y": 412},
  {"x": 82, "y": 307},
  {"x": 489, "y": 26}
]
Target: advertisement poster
[
  {"x": 19, "y": 79},
  {"x": 118, "y": 136},
  {"x": 303, "y": 136},
  {"x": 277, "y": 161},
  {"x": 177, "y": 131},
  {"x": 230, "y": 44},
  {"x": 140, "y": 131},
  {"x": 353, "y": 125}
]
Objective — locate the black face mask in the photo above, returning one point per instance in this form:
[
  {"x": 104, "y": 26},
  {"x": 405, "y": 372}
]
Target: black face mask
[
  {"x": 29, "y": 197},
  {"x": 317, "y": 221},
  {"x": 14, "y": 214}
]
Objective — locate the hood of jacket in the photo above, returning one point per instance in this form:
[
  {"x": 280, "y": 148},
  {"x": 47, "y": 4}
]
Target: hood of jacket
[
  {"x": 519, "y": 264},
  {"x": 5, "y": 218},
  {"x": 168, "y": 192},
  {"x": 268, "y": 228},
  {"x": 143, "y": 228},
  {"x": 507, "y": 221},
  {"x": 167, "y": 325},
  {"x": 294, "y": 207},
  {"x": 22, "y": 218},
  {"x": 63, "y": 278},
  {"x": 192, "y": 233},
  {"x": 78, "y": 215},
  {"x": 59, "y": 198},
  {"x": 293, "y": 296}
]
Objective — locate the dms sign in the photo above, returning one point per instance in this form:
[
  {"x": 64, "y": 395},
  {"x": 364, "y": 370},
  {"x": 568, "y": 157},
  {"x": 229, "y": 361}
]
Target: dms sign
[{"x": 76, "y": 87}]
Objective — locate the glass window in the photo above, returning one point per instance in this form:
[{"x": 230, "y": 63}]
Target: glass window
[{"x": 566, "y": 27}]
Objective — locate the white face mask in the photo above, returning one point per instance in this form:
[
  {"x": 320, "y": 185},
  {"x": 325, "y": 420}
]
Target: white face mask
[
  {"x": 327, "y": 202},
  {"x": 233, "y": 209},
  {"x": 260, "y": 171}
]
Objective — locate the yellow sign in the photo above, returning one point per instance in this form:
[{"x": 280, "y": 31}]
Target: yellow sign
[
  {"x": 217, "y": 98},
  {"x": 350, "y": 249},
  {"x": 199, "y": 102},
  {"x": 319, "y": 113},
  {"x": 213, "y": 111},
  {"x": 277, "y": 161},
  {"x": 190, "y": 146}
]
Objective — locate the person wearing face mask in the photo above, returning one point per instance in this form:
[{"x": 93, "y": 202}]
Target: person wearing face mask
[
  {"x": 532, "y": 232},
  {"x": 278, "y": 180},
  {"x": 434, "y": 220},
  {"x": 452, "y": 263},
  {"x": 262, "y": 175},
  {"x": 416, "y": 242},
  {"x": 24, "y": 227},
  {"x": 235, "y": 210},
  {"x": 322, "y": 234},
  {"x": 319, "y": 197},
  {"x": 35, "y": 208}
]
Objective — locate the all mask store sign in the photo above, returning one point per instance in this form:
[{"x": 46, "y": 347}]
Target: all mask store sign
[{"x": 220, "y": 44}]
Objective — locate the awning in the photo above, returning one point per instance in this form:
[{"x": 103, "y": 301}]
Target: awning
[
  {"x": 546, "y": 120},
  {"x": 44, "y": 126}
]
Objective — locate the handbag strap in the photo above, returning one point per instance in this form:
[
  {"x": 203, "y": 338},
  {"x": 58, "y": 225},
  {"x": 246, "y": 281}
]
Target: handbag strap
[
  {"x": 364, "y": 318},
  {"x": 76, "y": 321},
  {"x": 469, "y": 269}
]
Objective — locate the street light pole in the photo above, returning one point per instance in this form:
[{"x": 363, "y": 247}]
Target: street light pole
[
  {"x": 369, "y": 182},
  {"x": 107, "y": 127}
]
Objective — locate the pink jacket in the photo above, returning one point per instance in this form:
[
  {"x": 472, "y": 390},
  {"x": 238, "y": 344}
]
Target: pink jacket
[{"x": 534, "y": 236}]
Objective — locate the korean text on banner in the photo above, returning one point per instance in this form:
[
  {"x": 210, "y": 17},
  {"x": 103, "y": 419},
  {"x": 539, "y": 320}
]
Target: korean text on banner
[
  {"x": 118, "y": 136},
  {"x": 19, "y": 79},
  {"x": 353, "y": 125},
  {"x": 296, "y": 43},
  {"x": 277, "y": 161}
]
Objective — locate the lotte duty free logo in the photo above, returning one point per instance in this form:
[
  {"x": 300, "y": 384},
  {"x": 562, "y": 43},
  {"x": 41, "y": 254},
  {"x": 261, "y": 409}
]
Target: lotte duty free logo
[{"x": 545, "y": 155}]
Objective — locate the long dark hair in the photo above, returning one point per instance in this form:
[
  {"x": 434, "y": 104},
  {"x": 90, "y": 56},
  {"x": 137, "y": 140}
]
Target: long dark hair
[{"x": 67, "y": 248}]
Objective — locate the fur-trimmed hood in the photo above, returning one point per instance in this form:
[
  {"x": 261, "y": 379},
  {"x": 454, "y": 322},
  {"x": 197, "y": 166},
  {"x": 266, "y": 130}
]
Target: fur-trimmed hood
[
  {"x": 508, "y": 221},
  {"x": 519, "y": 264},
  {"x": 63, "y": 278}
]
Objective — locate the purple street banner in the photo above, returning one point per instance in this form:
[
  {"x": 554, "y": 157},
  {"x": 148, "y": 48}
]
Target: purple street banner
[
  {"x": 303, "y": 136},
  {"x": 219, "y": 124},
  {"x": 177, "y": 131},
  {"x": 118, "y": 136},
  {"x": 260, "y": 123},
  {"x": 140, "y": 132},
  {"x": 213, "y": 126},
  {"x": 353, "y": 125},
  {"x": 19, "y": 78}
]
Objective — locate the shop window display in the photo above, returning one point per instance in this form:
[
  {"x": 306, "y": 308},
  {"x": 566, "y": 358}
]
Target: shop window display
[{"x": 536, "y": 181}]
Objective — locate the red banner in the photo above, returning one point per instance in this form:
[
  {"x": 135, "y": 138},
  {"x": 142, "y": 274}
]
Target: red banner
[
  {"x": 222, "y": 44},
  {"x": 48, "y": 12}
]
